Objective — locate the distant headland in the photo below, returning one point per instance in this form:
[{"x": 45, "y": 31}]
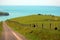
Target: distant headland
[{"x": 4, "y": 14}]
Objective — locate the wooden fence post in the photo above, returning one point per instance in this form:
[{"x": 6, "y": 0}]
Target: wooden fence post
[
  {"x": 50, "y": 25},
  {"x": 42, "y": 26}
]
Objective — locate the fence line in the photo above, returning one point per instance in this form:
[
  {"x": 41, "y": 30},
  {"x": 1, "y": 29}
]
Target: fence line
[{"x": 34, "y": 25}]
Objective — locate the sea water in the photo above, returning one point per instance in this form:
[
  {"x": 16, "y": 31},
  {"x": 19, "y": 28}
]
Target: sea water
[{"x": 19, "y": 11}]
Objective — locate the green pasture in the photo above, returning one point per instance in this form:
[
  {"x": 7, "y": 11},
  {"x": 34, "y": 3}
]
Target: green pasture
[{"x": 37, "y": 27}]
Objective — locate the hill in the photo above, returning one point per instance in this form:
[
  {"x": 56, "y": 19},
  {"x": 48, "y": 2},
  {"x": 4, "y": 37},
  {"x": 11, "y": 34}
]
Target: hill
[{"x": 37, "y": 27}]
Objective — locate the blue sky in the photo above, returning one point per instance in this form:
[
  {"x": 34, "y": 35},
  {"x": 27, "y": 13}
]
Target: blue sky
[{"x": 31, "y": 2}]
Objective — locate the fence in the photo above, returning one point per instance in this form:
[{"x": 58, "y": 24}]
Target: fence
[{"x": 42, "y": 25}]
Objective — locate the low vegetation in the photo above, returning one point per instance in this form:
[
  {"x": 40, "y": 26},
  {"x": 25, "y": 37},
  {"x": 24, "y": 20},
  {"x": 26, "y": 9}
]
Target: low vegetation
[
  {"x": 37, "y": 27},
  {"x": 0, "y": 30}
]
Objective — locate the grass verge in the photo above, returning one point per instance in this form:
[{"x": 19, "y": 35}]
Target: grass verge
[{"x": 1, "y": 29}]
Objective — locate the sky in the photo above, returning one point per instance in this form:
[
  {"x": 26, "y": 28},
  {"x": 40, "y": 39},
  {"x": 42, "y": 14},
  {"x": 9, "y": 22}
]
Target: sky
[{"x": 31, "y": 2}]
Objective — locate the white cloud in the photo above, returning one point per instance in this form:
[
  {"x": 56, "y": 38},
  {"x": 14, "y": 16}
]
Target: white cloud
[{"x": 30, "y": 2}]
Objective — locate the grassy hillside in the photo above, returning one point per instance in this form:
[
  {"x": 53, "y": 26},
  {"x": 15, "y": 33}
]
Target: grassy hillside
[
  {"x": 0, "y": 29},
  {"x": 37, "y": 27}
]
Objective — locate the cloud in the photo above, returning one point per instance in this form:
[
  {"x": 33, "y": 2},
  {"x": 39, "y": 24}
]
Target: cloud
[{"x": 30, "y": 2}]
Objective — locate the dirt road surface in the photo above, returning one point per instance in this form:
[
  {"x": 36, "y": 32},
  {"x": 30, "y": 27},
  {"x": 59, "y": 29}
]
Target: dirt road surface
[{"x": 9, "y": 34}]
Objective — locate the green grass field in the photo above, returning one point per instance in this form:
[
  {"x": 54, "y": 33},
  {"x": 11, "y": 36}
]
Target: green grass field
[
  {"x": 0, "y": 29},
  {"x": 37, "y": 27}
]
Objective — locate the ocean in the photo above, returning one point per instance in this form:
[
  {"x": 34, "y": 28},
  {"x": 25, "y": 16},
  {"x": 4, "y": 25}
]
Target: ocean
[{"x": 19, "y": 11}]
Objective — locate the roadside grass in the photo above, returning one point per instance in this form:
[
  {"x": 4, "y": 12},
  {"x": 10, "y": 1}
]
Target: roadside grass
[
  {"x": 0, "y": 30},
  {"x": 36, "y": 27}
]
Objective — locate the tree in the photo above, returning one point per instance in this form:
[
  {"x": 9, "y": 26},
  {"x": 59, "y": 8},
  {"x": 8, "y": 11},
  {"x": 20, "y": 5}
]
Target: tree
[{"x": 39, "y": 14}]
